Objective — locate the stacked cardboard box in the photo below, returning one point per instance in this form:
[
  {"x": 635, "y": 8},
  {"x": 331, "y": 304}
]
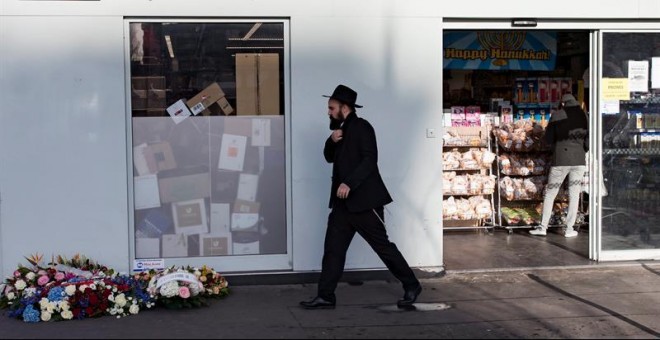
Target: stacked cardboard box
[{"x": 257, "y": 84}]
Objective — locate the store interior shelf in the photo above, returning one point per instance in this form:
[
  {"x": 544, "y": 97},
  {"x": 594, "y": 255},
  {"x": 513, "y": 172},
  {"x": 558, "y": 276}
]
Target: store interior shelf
[
  {"x": 644, "y": 131},
  {"x": 650, "y": 151}
]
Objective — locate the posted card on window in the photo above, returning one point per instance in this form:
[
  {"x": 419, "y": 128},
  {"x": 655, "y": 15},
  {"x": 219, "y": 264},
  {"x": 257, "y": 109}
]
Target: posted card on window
[
  {"x": 147, "y": 194},
  {"x": 261, "y": 132},
  {"x": 190, "y": 217},
  {"x": 179, "y": 111},
  {"x": 220, "y": 217},
  {"x": 175, "y": 245},
  {"x": 247, "y": 187},
  {"x": 232, "y": 152}
]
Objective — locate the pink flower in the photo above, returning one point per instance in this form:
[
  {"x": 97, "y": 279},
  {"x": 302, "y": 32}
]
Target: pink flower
[
  {"x": 184, "y": 292},
  {"x": 41, "y": 272},
  {"x": 43, "y": 280},
  {"x": 17, "y": 273},
  {"x": 59, "y": 276}
]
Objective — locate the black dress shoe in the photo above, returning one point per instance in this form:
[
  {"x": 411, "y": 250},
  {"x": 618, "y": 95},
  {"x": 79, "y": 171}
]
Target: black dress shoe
[
  {"x": 409, "y": 297},
  {"x": 318, "y": 303}
]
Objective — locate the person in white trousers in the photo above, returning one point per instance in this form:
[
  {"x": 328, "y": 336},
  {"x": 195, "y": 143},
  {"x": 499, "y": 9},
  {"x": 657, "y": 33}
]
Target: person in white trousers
[{"x": 568, "y": 135}]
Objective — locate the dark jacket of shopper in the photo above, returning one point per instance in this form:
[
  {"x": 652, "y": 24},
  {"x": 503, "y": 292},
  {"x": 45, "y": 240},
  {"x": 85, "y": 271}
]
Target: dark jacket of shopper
[
  {"x": 355, "y": 163},
  {"x": 568, "y": 134}
]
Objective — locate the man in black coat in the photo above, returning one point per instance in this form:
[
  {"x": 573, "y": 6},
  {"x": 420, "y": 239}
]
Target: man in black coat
[{"x": 357, "y": 199}]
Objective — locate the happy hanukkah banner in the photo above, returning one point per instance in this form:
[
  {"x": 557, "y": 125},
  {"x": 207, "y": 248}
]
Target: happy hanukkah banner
[{"x": 500, "y": 50}]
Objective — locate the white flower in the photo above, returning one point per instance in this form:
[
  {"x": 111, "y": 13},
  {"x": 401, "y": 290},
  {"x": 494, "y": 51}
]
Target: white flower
[
  {"x": 170, "y": 289},
  {"x": 50, "y": 307},
  {"x": 30, "y": 276},
  {"x": 45, "y": 316},
  {"x": 82, "y": 288},
  {"x": 67, "y": 315},
  {"x": 20, "y": 285},
  {"x": 64, "y": 305},
  {"x": 134, "y": 309},
  {"x": 70, "y": 290},
  {"x": 43, "y": 302},
  {"x": 29, "y": 292},
  {"x": 11, "y": 296},
  {"x": 92, "y": 286},
  {"x": 198, "y": 273},
  {"x": 120, "y": 300}
]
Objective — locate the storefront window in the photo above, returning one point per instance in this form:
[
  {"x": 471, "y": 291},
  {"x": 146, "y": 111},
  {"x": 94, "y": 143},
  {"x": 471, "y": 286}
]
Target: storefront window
[
  {"x": 207, "y": 105},
  {"x": 630, "y": 106}
]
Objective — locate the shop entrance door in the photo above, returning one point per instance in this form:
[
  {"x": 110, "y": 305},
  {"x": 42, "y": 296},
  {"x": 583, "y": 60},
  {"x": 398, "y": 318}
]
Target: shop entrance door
[{"x": 530, "y": 90}]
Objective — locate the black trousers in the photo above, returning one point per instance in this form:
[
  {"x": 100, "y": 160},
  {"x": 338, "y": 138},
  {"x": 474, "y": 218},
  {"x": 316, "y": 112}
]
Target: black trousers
[{"x": 342, "y": 226}]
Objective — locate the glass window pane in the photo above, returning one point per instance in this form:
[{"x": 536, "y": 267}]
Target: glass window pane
[
  {"x": 207, "y": 104},
  {"x": 631, "y": 141}
]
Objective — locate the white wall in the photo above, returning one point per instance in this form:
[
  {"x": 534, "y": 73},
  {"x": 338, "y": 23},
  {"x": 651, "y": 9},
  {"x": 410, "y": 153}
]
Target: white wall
[
  {"x": 63, "y": 171},
  {"x": 63, "y": 139}
]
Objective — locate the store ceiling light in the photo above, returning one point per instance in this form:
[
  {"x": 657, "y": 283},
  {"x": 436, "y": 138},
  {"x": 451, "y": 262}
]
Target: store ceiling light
[
  {"x": 170, "y": 49},
  {"x": 524, "y": 23}
]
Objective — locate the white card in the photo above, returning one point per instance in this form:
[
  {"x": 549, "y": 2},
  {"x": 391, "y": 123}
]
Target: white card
[
  {"x": 638, "y": 76},
  {"x": 220, "y": 217},
  {"x": 140, "y": 160},
  {"x": 179, "y": 111},
  {"x": 261, "y": 132},
  {"x": 175, "y": 245},
  {"x": 247, "y": 187},
  {"x": 190, "y": 217},
  {"x": 146, "y": 192},
  {"x": 232, "y": 152},
  {"x": 146, "y": 248},
  {"x": 243, "y": 221}
]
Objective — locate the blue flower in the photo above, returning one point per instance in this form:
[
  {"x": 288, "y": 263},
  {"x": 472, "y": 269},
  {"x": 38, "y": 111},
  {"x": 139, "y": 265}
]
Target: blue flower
[
  {"x": 56, "y": 294},
  {"x": 30, "y": 314}
]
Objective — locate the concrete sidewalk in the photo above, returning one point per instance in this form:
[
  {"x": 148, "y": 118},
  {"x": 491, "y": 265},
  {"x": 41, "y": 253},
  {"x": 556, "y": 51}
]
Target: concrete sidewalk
[{"x": 602, "y": 301}]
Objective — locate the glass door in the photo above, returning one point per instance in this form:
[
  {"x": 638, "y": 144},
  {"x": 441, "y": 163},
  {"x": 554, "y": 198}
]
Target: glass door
[{"x": 627, "y": 181}]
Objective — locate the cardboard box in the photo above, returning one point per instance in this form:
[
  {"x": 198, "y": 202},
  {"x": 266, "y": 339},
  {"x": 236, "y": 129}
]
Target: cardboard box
[
  {"x": 148, "y": 93},
  {"x": 138, "y": 93},
  {"x": 239, "y": 126},
  {"x": 257, "y": 84},
  {"x": 209, "y": 101}
]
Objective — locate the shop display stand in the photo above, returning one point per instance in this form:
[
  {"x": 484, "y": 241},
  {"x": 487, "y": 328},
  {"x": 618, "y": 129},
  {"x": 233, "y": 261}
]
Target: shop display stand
[
  {"x": 482, "y": 134},
  {"x": 527, "y": 203}
]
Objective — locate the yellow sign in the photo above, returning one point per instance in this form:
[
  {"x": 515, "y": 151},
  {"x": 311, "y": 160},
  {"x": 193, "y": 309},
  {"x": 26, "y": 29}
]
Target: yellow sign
[{"x": 615, "y": 89}]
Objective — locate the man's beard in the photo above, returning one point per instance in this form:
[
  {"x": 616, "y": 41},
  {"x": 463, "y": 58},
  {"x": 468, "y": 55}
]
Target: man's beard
[{"x": 335, "y": 123}]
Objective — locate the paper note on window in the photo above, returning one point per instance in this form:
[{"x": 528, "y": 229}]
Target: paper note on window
[
  {"x": 655, "y": 72},
  {"x": 638, "y": 76},
  {"x": 615, "y": 89}
]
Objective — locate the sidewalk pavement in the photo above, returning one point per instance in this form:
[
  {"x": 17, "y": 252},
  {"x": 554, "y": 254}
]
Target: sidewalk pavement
[{"x": 600, "y": 301}]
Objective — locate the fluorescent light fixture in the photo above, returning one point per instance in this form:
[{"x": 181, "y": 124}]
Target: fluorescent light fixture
[
  {"x": 524, "y": 23},
  {"x": 168, "y": 41},
  {"x": 251, "y": 31}
]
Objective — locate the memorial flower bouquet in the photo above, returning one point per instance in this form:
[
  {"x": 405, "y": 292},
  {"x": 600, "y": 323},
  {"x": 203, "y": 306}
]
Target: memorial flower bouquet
[
  {"x": 70, "y": 289},
  {"x": 186, "y": 287}
]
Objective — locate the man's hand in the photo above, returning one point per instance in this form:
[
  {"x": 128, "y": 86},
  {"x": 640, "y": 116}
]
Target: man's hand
[
  {"x": 337, "y": 135},
  {"x": 343, "y": 191}
]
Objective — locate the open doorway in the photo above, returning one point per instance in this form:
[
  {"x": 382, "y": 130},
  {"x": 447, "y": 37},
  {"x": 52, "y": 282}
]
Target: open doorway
[{"x": 500, "y": 89}]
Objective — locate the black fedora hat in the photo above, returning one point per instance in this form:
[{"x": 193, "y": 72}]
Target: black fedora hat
[{"x": 345, "y": 95}]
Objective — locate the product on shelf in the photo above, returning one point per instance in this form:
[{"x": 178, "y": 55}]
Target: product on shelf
[
  {"x": 473, "y": 159},
  {"x": 461, "y": 209},
  {"x": 521, "y": 135},
  {"x": 523, "y": 165}
]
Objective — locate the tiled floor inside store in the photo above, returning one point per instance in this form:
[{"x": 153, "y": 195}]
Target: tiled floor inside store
[{"x": 499, "y": 249}]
